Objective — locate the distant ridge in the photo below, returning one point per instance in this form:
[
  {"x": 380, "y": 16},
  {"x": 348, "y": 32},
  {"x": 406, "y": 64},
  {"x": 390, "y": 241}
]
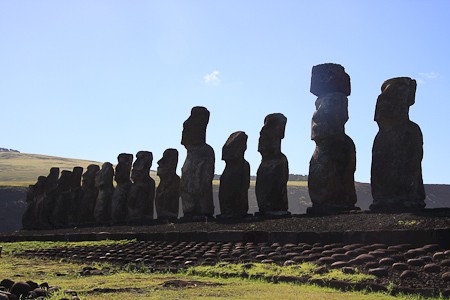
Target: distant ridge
[{"x": 8, "y": 150}]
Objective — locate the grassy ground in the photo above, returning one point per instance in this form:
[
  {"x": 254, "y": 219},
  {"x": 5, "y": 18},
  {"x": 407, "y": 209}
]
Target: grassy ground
[{"x": 126, "y": 283}]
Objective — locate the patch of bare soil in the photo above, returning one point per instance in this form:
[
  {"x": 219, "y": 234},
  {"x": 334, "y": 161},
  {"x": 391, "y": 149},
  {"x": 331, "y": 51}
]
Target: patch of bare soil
[{"x": 182, "y": 284}]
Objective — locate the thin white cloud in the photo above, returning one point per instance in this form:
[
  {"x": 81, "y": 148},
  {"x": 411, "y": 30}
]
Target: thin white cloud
[
  {"x": 420, "y": 81},
  {"x": 212, "y": 78},
  {"x": 429, "y": 75}
]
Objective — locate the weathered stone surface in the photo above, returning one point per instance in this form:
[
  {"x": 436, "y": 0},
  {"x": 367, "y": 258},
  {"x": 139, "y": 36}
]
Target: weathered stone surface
[
  {"x": 167, "y": 200},
  {"x": 51, "y": 193},
  {"x": 331, "y": 183},
  {"x": 76, "y": 194},
  {"x": 396, "y": 174},
  {"x": 273, "y": 172},
  {"x": 235, "y": 179},
  {"x": 197, "y": 172},
  {"x": 379, "y": 272},
  {"x": 104, "y": 183},
  {"x": 329, "y": 78},
  {"x": 123, "y": 180},
  {"x": 90, "y": 193},
  {"x": 61, "y": 210},
  {"x": 142, "y": 192}
]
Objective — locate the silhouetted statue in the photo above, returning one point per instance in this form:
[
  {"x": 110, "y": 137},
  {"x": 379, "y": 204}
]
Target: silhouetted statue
[
  {"x": 142, "y": 192},
  {"x": 235, "y": 179},
  {"x": 104, "y": 183},
  {"x": 90, "y": 194},
  {"x": 122, "y": 177},
  {"x": 331, "y": 182},
  {"x": 61, "y": 210},
  {"x": 76, "y": 193},
  {"x": 273, "y": 172},
  {"x": 51, "y": 194},
  {"x": 397, "y": 151},
  {"x": 37, "y": 213},
  {"x": 197, "y": 172},
  {"x": 167, "y": 198}
]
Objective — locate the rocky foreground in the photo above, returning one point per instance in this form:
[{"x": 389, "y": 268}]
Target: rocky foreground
[{"x": 400, "y": 268}]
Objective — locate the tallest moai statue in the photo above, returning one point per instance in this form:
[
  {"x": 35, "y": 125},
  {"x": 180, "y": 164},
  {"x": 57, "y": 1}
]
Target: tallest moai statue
[
  {"x": 396, "y": 175},
  {"x": 197, "y": 172},
  {"x": 331, "y": 182}
]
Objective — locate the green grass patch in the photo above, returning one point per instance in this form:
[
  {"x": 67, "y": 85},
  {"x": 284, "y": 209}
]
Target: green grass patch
[
  {"x": 259, "y": 270},
  {"x": 409, "y": 223}
]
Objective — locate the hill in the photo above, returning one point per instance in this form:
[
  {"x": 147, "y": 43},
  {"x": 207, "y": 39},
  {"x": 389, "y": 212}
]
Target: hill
[{"x": 22, "y": 169}]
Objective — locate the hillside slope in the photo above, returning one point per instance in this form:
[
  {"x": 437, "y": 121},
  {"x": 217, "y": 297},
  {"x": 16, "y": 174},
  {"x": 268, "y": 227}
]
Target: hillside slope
[{"x": 22, "y": 169}]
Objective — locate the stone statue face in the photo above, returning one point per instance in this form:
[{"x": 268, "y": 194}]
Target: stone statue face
[
  {"x": 271, "y": 134},
  {"x": 168, "y": 163},
  {"x": 123, "y": 167},
  {"x": 88, "y": 179},
  {"x": 330, "y": 116},
  {"x": 194, "y": 128},
  {"x": 397, "y": 94},
  {"x": 235, "y": 146},
  {"x": 105, "y": 175}
]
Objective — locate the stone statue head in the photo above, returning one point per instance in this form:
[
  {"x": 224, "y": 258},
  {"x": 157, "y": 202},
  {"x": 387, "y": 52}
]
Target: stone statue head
[
  {"x": 89, "y": 176},
  {"x": 77, "y": 172},
  {"x": 194, "y": 128},
  {"x": 52, "y": 179},
  {"x": 123, "y": 167},
  {"x": 105, "y": 175},
  {"x": 168, "y": 163},
  {"x": 397, "y": 95},
  {"x": 271, "y": 134},
  {"x": 329, "y": 78},
  {"x": 330, "y": 116},
  {"x": 142, "y": 165},
  {"x": 65, "y": 180},
  {"x": 235, "y": 146},
  {"x": 39, "y": 187}
]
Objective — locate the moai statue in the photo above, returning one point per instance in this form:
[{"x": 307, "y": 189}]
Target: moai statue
[
  {"x": 90, "y": 194},
  {"x": 167, "y": 198},
  {"x": 332, "y": 167},
  {"x": 51, "y": 193},
  {"x": 397, "y": 151},
  {"x": 62, "y": 207},
  {"x": 122, "y": 177},
  {"x": 273, "y": 172},
  {"x": 104, "y": 183},
  {"x": 76, "y": 193},
  {"x": 235, "y": 179},
  {"x": 142, "y": 191},
  {"x": 37, "y": 213},
  {"x": 197, "y": 172}
]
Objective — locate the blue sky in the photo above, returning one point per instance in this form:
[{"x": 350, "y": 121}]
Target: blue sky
[{"x": 91, "y": 79}]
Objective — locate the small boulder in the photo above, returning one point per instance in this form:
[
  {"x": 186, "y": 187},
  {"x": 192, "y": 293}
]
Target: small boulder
[
  {"x": 379, "y": 272},
  {"x": 431, "y": 268},
  {"x": 408, "y": 274},
  {"x": 20, "y": 289}
]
